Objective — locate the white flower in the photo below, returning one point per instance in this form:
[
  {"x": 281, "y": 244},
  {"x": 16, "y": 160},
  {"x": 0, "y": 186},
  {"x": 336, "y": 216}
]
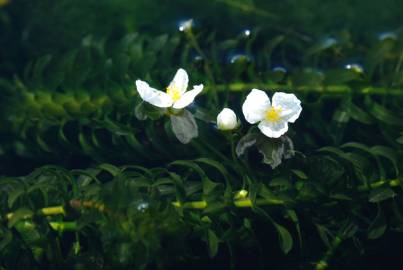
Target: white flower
[
  {"x": 273, "y": 117},
  {"x": 175, "y": 95},
  {"x": 226, "y": 120},
  {"x": 185, "y": 26}
]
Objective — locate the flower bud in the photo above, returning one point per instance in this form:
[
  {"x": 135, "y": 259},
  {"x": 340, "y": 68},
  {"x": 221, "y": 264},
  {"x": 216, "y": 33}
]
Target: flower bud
[
  {"x": 186, "y": 26},
  {"x": 226, "y": 120}
]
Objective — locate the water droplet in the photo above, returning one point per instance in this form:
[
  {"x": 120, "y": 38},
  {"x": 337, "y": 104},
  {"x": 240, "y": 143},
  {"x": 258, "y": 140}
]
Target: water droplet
[
  {"x": 142, "y": 206},
  {"x": 314, "y": 71},
  {"x": 328, "y": 42},
  {"x": 277, "y": 74},
  {"x": 389, "y": 35},
  {"x": 186, "y": 25},
  {"x": 280, "y": 70},
  {"x": 240, "y": 58},
  {"x": 357, "y": 68},
  {"x": 198, "y": 58},
  {"x": 246, "y": 32}
]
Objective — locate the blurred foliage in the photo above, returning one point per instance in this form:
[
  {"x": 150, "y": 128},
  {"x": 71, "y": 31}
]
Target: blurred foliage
[{"x": 67, "y": 97}]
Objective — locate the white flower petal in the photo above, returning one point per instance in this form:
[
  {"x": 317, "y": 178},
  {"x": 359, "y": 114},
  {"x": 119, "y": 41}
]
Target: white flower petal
[
  {"x": 153, "y": 96},
  {"x": 188, "y": 97},
  {"x": 290, "y": 106},
  {"x": 180, "y": 81},
  {"x": 226, "y": 119},
  {"x": 255, "y": 106},
  {"x": 273, "y": 129}
]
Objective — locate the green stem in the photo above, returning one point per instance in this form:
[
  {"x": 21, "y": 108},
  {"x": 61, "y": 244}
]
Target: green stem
[
  {"x": 239, "y": 166},
  {"x": 233, "y": 152},
  {"x": 241, "y": 203},
  {"x": 63, "y": 226},
  {"x": 324, "y": 262},
  {"x": 207, "y": 68},
  {"x": 56, "y": 210},
  {"x": 60, "y": 210},
  {"x": 391, "y": 183},
  {"x": 330, "y": 89}
]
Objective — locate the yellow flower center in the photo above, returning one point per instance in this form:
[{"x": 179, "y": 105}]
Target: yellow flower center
[
  {"x": 174, "y": 93},
  {"x": 273, "y": 114}
]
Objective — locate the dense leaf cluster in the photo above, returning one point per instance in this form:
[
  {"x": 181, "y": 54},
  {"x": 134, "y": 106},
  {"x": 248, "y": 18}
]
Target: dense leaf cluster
[{"x": 122, "y": 191}]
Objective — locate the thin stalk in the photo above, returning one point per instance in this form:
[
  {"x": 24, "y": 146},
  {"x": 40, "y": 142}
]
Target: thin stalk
[
  {"x": 233, "y": 153},
  {"x": 193, "y": 41},
  {"x": 63, "y": 226},
  {"x": 56, "y": 210},
  {"x": 391, "y": 183},
  {"x": 241, "y": 203},
  {"x": 330, "y": 89},
  {"x": 324, "y": 262}
]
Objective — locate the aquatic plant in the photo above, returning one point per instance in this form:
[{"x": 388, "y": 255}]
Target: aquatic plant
[{"x": 147, "y": 179}]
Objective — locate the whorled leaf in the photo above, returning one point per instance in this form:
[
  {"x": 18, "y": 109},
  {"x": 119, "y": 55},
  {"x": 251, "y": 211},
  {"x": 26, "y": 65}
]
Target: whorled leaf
[
  {"x": 246, "y": 142},
  {"x": 275, "y": 150},
  {"x": 184, "y": 126}
]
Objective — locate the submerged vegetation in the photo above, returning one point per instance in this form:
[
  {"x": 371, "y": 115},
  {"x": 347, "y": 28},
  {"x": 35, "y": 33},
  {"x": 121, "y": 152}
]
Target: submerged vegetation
[{"x": 97, "y": 173}]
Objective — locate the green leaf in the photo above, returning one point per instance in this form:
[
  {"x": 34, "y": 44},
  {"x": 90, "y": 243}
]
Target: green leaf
[
  {"x": 387, "y": 153},
  {"x": 275, "y": 150},
  {"x": 144, "y": 110},
  {"x": 300, "y": 174},
  {"x": 381, "y": 194},
  {"x": 209, "y": 186},
  {"x": 140, "y": 111},
  {"x": 40, "y": 66},
  {"x": 6, "y": 239},
  {"x": 20, "y": 214},
  {"x": 293, "y": 216},
  {"x": 358, "y": 114},
  {"x": 322, "y": 45},
  {"x": 42, "y": 144},
  {"x": 377, "y": 227},
  {"x": 179, "y": 185},
  {"x": 324, "y": 234},
  {"x": 383, "y": 114},
  {"x": 217, "y": 165},
  {"x": 159, "y": 42},
  {"x": 190, "y": 164},
  {"x": 245, "y": 142},
  {"x": 113, "y": 170},
  {"x": 14, "y": 195},
  {"x": 84, "y": 143},
  {"x": 212, "y": 243},
  {"x": 285, "y": 238},
  {"x": 184, "y": 127}
]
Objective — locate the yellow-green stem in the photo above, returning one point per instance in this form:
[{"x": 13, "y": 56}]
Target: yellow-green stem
[
  {"x": 324, "y": 262},
  {"x": 59, "y": 210},
  {"x": 330, "y": 89},
  {"x": 63, "y": 226},
  {"x": 241, "y": 203},
  {"x": 56, "y": 210},
  {"x": 391, "y": 183}
]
